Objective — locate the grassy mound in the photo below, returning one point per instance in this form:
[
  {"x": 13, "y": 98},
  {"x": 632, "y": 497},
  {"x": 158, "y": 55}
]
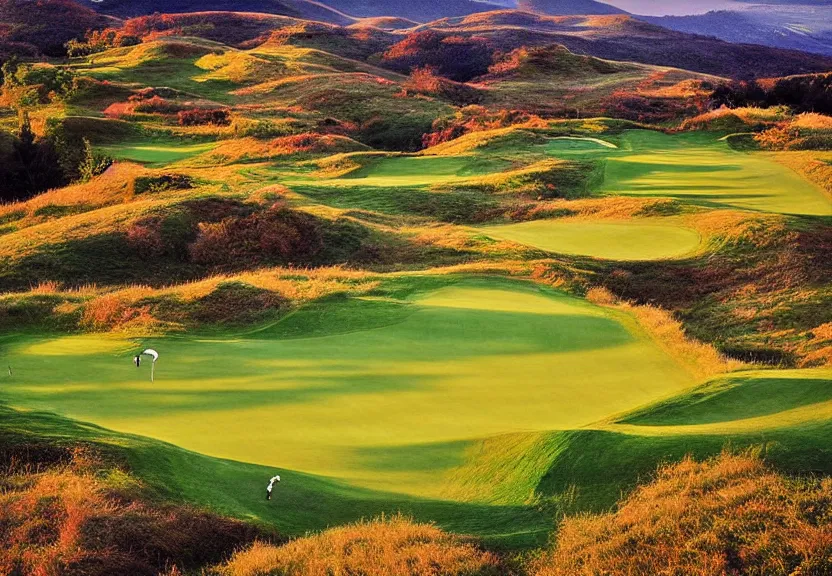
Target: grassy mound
[
  {"x": 736, "y": 119},
  {"x": 386, "y": 546},
  {"x": 64, "y": 511},
  {"x": 726, "y": 515},
  {"x": 183, "y": 237}
]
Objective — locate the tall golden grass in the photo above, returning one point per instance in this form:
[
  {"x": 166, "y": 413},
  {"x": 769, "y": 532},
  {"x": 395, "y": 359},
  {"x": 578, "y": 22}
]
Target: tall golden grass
[
  {"x": 384, "y": 547},
  {"x": 112, "y": 187},
  {"x": 728, "y": 515},
  {"x": 736, "y": 119},
  {"x": 61, "y": 515},
  {"x": 134, "y": 309},
  {"x": 701, "y": 359}
]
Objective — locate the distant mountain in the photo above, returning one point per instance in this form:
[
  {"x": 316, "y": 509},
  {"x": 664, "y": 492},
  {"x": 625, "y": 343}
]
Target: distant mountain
[
  {"x": 568, "y": 7},
  {"x": 625, "y": 38},
  {"x": 417, "y": 10},
  {"x": 385, "y": 23},
  {"x": 806, "y": 27},
  {"x": 305, "y": 9},
  {"x": 29, "y": 28}
]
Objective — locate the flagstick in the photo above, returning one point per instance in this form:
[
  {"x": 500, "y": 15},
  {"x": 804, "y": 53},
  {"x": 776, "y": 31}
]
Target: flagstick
[{"x": 152, "y": 368}]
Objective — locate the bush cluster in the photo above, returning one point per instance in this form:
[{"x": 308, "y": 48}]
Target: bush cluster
[
  {"x": 456, "y": 57},
  {"x": 203, "y": 116}
]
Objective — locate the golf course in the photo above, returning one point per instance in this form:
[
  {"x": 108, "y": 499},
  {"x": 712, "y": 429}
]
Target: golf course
[
  {"x": 284, "y": 279},
  {"x": 429, "y": 370}
]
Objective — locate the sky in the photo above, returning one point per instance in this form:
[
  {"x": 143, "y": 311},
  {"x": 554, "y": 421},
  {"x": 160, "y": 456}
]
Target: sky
[
  {"x": 678, "y": 7},
  {"x": 682, "y": 7}
]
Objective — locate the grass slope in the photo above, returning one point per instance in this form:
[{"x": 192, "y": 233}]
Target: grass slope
[
  {"x": 631, "y": 240},
  {"x": 699, "y": 169},
  {"x": 158, "y": 153}
]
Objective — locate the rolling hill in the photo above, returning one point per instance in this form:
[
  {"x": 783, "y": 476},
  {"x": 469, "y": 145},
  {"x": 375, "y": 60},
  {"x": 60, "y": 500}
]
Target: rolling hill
[
  {"x": 418, "y": 10},
  {"x": 568, "y": 7},
  {"x": 305, "y": 9},
  {"x": 622, "y": 37},
  {"x": 43, "y": 27},
  {"x": 798, "y": 27}
]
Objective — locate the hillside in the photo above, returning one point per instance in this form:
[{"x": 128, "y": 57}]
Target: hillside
[
  {"x": 568, "y": 7},
  {"x": 802, "y": 27},
  {"x": 622, "y": 37},
  {"x": 305, "y": 9},
  {"x": 417, "y": 10},
  {"x": 33, "y": 28},
  {"x": 386, "y": 23}
]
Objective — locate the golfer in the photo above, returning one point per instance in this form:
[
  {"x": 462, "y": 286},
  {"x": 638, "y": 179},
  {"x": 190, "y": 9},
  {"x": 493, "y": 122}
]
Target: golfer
[{"x": 271, "y": 486}]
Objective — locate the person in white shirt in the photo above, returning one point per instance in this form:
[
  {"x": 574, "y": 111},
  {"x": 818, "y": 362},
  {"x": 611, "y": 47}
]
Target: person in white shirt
[{"x": 271, "y": 486}]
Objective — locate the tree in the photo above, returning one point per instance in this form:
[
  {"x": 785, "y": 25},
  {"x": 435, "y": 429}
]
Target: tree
[{"x": 92, "y": 164}]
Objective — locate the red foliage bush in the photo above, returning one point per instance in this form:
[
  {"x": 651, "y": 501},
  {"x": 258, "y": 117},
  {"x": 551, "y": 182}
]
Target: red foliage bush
[
  {"x": 145, "y": 237},
  {"x": 474, "y": 119},
  {"x": 157, "y": 105},
  {"x": 426, "y": 80},
  {"x": 274, "y": 235},
  {"x": 455, "y": 57},
  {"x": 202, "y": 116}
]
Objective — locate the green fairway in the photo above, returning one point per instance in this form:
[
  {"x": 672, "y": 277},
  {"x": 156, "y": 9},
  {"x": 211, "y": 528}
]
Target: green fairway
[
  {"x": 359, "y": 388},
  {"x": 409, "y": 171},
  {"x": 155, "y": 153},
  {"x": 632, "y": 240},
  {"x": 573, "y": 144},
  {"x": 698, "y": 168}
]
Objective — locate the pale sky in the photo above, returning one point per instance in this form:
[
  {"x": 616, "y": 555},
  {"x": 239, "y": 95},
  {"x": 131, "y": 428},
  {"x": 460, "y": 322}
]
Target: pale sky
[{"x": 675, "y": 7}]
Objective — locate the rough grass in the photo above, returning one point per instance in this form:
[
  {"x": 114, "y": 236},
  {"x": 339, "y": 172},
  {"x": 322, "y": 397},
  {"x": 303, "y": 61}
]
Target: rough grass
[
  {"x": 726, "y": 515},
  {"x": 65, "y": 512},
  {"x": 700, "y": 358},
  {"x": 379, "y": 547}
]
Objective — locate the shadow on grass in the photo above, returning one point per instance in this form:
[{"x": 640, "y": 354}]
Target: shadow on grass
[
  {"x": 301, "y": 503},
  {"x": 737, "y": 398},
  {"x": 597, "y": 467}
]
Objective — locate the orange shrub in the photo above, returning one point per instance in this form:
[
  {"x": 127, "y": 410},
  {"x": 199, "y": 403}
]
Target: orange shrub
[
  {"x": 382, "y": 547},
  {"x": 729, "y": 515},
  {"x": 65, "y": 520},
  {"x": 145, "y": 237},
  {"x": 277, "y": 234},
  {"x": 203, "y": 116}
]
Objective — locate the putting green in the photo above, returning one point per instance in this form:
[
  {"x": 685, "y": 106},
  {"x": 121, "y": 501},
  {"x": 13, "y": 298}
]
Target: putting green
[
  {"x": 155, "y": 153},
  {"x": 699, "y": 168},
  {"x": 379, "y": 393},
  {"x": 632, "y": 240}
]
